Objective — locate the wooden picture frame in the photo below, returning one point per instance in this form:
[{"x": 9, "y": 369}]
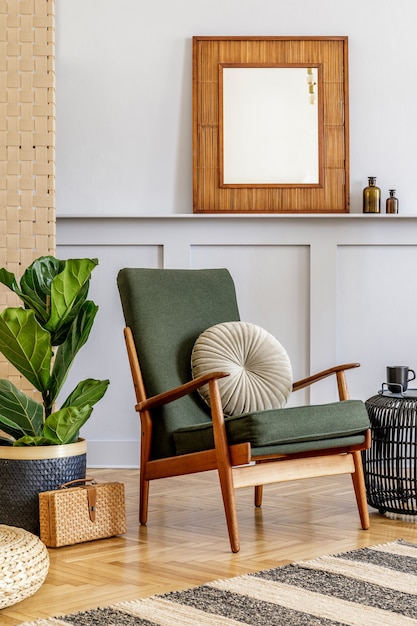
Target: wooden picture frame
[{"x": 217, "y": 188}]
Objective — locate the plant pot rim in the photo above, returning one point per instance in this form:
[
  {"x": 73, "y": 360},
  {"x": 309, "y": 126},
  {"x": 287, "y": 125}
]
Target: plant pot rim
[{"x": 24, "y": 453}]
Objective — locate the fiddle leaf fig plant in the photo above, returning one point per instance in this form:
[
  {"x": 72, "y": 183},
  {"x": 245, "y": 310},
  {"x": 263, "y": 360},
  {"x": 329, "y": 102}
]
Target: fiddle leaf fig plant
[{"x": 41, "y": 340}]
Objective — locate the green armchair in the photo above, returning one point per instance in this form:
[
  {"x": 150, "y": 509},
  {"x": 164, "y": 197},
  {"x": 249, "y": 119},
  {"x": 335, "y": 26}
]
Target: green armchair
[{"x": 165, "y": 312}]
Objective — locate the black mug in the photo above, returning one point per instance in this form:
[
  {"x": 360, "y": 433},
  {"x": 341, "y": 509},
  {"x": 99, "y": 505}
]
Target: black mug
[{"x": 398, "y": 377}]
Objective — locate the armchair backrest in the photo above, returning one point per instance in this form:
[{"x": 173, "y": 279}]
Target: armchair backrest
[{"x": 166, "y": 311}]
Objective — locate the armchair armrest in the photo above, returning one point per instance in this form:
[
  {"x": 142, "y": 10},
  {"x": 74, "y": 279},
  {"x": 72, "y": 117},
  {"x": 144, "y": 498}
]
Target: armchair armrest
[
  {"x": 338, "y": 370},
  {"x": 178, "y": 392}
]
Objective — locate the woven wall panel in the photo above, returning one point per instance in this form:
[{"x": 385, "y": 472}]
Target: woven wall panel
[{"x": 27, "y": 139}]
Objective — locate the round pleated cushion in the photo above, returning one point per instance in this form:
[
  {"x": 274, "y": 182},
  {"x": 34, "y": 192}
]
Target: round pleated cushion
[
  {"x": 24, "y": 564},
  {"x": 259, "y": 367}
]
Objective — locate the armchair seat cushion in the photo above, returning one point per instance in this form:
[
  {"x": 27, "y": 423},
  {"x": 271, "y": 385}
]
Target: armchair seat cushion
[{"x": 293, "y": 429}]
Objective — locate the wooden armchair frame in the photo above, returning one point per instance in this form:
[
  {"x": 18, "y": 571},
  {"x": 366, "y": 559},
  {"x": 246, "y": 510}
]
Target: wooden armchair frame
[{"x": 234, "y": 463}]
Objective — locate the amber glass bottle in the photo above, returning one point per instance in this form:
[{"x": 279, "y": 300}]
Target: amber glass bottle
[
  {"x": 392, "y": 202},
  {"x": 372, "y": 197}
]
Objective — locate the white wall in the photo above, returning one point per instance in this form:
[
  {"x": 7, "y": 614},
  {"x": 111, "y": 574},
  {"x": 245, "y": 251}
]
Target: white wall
[
  {"x": 332, "y": 289},
  {"x": 124, "y": 94}
]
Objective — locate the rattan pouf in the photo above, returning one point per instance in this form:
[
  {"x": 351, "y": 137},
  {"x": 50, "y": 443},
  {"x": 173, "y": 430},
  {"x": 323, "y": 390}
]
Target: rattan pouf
[{"x": 24, "y": 564}]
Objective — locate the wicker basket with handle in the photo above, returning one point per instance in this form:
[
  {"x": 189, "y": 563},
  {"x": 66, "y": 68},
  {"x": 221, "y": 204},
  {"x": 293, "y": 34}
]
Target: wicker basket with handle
[{"x": 74, "y": 514}]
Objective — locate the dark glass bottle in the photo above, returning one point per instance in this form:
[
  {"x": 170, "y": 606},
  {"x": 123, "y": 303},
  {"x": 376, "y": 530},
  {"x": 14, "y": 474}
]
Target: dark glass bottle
[
  {"x": 392, "y": 202},
  {"x": 372, "y": 197}
]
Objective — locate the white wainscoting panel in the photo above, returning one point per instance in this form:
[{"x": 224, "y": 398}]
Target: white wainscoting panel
[
  {"x": 272, "y": 285},
  {"x": 377, "y": 310},
  {"x": 332, "y": 289}
]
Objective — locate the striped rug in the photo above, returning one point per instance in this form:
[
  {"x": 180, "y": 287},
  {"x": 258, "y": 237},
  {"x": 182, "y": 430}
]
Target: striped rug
[{"x": 369, "y": 587}]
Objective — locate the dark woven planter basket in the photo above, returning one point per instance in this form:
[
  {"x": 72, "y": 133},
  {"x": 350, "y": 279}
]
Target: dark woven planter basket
[{"x": 21, "y": 480}]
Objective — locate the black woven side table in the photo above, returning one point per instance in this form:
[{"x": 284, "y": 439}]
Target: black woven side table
[{"x": 390, "y": 464}]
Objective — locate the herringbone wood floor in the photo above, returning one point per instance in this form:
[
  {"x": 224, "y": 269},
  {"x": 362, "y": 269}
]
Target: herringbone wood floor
[{"x": 186, "y": 543}]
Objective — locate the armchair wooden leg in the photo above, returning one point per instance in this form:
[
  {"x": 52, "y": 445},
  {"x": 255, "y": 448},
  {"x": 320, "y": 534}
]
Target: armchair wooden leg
[
  {"x": 360, "y": 490},
  {"x": 229, "y": 502},
  {"x": 258, "y": 495},
  {"x": 145, "y": 452},
  {"x": 143, "y": 499},
  {"x": 224, "y": 466}
]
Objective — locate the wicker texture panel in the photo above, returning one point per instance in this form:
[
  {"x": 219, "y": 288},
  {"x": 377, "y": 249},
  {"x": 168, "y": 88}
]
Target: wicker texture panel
[{"x": 27, "y": 139}]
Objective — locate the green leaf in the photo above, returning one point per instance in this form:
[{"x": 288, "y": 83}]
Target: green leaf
[
  {"x": 33, "y": 441},
  {"x": 68, "y": 293},
  {"x": 26, "y": 345},
  {"x": 19, "y": 414},
  {"x": 62, "y": 426},
  {"x": 35, "y": 285},
  {"x": 65, "y": 355},
  {"x": 88, "y": 391},
  {"x": 8, "y": 279},
  {"x": 39, "y": 275},
  {"x": 59, "y": 334},
  {"x": 6, "y": 439}
]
